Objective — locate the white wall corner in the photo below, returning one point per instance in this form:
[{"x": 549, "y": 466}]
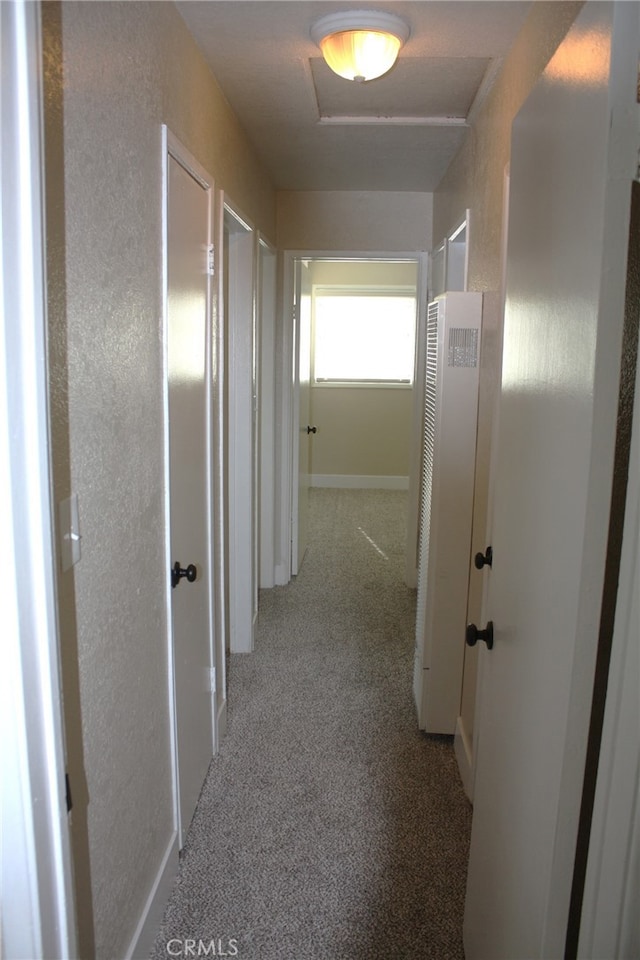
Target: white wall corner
[{"x": 152, "y": 913}]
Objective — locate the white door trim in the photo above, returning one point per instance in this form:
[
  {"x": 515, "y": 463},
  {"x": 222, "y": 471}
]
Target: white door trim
[
  {"x": 287, "y": 466},
  {"x": 608, "y": 906},
  {"x": 37, "y": 887},
  {"x": 296, "y": 560},
  {"x": 218, "y": 357},
  {"x": 623, "y": 118},
  {"x": 266, "y": 294},
  {"x": 284, "y": 449}
]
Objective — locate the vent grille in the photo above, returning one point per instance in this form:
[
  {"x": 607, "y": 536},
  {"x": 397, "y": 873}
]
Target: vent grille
[
  {"x": 426, "y": 479},
  {"x": 463, "y": 347}
]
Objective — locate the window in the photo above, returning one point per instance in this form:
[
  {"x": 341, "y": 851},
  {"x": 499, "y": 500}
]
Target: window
[{"x": 364, "y": 335}]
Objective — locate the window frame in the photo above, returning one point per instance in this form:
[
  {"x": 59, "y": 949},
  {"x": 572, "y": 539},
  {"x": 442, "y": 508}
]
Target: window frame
[{"x": 362, "y": 290}]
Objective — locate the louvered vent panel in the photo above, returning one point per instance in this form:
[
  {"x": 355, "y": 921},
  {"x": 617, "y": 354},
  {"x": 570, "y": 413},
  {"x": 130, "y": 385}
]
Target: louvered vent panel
[
  {"x": 428, "y": 442},
  {"x": 446, "y": 506},
  {"x": 463, "y": 347}
]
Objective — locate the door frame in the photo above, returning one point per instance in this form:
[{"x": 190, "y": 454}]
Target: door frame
[
  {"x": 287, "y": 465},
  {"x": 603, "y": 904},
  {"x": 39, "y": 915},
  {"x": 172, "y": 147},
  {"x": 217, "y": 357}
]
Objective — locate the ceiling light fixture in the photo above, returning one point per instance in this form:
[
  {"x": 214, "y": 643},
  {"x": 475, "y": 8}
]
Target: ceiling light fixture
[{"x": 360, "y": 45}]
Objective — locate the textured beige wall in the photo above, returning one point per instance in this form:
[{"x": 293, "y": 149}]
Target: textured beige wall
[
  {"x": 362, "y": 431},
  {"x": 475, "y": 181},
  {"x": 114, "y": 73},
  {"x": 354, "y": 221}
]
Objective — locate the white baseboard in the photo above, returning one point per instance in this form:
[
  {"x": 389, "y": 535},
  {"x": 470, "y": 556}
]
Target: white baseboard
[
  {"x": 282, "y": 575},
  {"x": 463, "y": 756},
  {"x": 350, "y": 481},
  {"x": 222, "y": 721},
  {"x": 151, "y": 917}
]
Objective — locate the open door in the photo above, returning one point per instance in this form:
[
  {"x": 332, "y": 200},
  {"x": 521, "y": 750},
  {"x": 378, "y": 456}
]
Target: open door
[
  {"x": 311, "y": 277},
  {"x": 303, "y": 430},
  {"x": 573, "y": 152}
]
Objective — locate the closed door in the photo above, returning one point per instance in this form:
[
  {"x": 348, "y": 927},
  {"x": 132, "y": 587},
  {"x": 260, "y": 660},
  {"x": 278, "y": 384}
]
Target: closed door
[
  {"x": 562, "y": 342},
  {"x": 187, "y": 302}
]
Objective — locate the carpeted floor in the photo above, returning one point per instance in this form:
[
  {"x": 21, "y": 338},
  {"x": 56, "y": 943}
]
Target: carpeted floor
[{"x": 329, "y": 827}]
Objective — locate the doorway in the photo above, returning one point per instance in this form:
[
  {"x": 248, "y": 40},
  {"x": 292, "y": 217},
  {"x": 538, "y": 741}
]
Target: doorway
[{"x": 357, "y": 424}]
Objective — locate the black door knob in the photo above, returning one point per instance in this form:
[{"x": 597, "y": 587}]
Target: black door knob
[
  {"x": 473, "y": 635},
  {"x": 312, "y": 429},
  {"x": 482, "y": 559},
  {"x": 177, "y": 573}
]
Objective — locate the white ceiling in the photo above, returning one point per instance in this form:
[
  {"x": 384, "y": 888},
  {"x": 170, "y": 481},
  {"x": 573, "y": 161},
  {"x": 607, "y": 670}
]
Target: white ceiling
[{"x": 316, "y": 131}]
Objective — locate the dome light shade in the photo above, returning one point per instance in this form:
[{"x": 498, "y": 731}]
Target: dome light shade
[
  {"x": 360, "y": 54},
  {"x": 362, "y": 45}
]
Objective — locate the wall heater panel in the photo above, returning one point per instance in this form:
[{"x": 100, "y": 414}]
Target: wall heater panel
[{"x": 446, "y": 506}]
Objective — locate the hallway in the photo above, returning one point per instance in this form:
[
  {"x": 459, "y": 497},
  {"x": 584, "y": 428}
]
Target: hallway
[
  {"x": 329, "y": 827},
  {"x": 308, "y": 842}
]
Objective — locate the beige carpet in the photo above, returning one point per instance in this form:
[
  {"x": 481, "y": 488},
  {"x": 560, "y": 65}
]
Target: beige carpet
[{"x": 329, "y": 827}]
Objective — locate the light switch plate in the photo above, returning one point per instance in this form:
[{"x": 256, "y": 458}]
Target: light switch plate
[{"x": 69, "y": 518}]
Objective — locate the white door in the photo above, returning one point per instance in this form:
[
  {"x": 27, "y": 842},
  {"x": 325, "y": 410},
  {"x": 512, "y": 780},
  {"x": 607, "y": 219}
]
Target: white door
[
  {"x": 562, "y": 341},
  {"x": 305, "y": 430},
  {"x": 240, "y": 319},
  {"x": 188, "y": 222}
]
